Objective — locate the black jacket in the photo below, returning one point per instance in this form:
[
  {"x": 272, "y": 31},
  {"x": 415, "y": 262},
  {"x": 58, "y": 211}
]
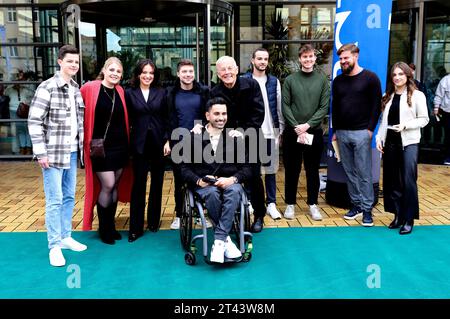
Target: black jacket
[
  {"x": 147, "y": 118},
  {"x": 199, "y": 89},
  {"x": 244, "y": 101},
  {"x": 227, "y": 161}
]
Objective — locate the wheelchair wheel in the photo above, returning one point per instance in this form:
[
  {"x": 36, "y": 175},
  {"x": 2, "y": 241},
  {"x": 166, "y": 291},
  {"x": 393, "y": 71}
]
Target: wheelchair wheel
[
  {"x": 189, "y": 259},
  {"x": 246, "y": 258},
  {"x": 186, "y": 222},
  {"x": 237, "y": 223}
]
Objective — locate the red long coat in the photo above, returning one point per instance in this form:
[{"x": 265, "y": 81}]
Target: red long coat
[{"x": 90, "y": 92}]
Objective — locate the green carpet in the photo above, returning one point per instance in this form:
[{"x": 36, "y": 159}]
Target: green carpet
[{"x": 328, "y": 262}]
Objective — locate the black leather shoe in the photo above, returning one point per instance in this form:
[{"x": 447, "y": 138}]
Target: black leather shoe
[
  {"x": 258, "y": 225},
  {"x": 396, "y": 223},
  {"x": 116, "y": 235},
  {"x": 407, "y": 228},
  {"x": 133, "y": 236}
]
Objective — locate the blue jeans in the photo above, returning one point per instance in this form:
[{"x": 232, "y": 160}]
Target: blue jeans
[
  {"x": 221, "y": 205},
  {"x": 59, "y": 189},
  {"x": 356, "y": 157}
]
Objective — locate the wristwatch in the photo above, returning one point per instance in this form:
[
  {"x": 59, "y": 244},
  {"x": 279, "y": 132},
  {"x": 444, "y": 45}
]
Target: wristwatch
[{"x": 235, "y": 179}]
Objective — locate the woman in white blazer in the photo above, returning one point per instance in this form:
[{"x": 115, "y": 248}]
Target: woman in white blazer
[{"x": 404, "y": 114}]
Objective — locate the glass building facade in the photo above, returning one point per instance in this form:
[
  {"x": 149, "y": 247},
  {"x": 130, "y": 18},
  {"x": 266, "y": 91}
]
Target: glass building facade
[{"x": 202, "y": 30}]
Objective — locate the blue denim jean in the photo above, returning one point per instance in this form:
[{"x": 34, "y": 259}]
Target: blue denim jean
[
  {"x": 356, "y": 157},
  {"x": 59, "y": 189},
  {"x": 221, "y": 205}
]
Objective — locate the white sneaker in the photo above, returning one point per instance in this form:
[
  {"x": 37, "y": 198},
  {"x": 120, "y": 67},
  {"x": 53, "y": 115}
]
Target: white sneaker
[
  {"x": 218, "y": 252},
  {"x": 208, "y": 224},
  {"x": 250, "y": 208},
  {"x": 56, "y": 257},
  {"x": 315, "y": 212},
  {"x": 273, "y": 211},
  {"x": 72, "y": 244},
  {"x": 289, "y": 213},
  {"x": 176, "y": 223},
  {"x": 231, "y": 251}
]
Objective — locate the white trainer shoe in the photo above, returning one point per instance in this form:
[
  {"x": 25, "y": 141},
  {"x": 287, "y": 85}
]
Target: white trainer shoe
[
  {"x": 251, "y": 210},
  {"x": 208, "y": 224},
  {"x": 56, "y": 257},
  {"x": 218, "y": 252},
  {"x": 273, "y": 211},
  {"x": 315, "y": 212},
  {"x": 72, "y": 244},
  {"x": 231, "y": 251},
  {"x": 289, "y": 213},
  {"x": 176, "y": 223}
]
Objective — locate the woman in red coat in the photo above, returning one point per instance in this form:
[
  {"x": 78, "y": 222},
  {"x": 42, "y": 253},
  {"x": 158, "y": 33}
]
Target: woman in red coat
[{"x": 108, "y": 178}]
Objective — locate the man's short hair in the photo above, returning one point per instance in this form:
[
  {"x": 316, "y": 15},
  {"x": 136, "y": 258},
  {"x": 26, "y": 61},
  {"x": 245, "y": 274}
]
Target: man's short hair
[
  {"x": 214, "y": 101},
  {"x": 67, "y": 49},
  {"x": 305, "y": 48},
  {"x": 259, "y": 50},
  {"x": 348, "y": 47},
  {"x": 184, "y": 62}
]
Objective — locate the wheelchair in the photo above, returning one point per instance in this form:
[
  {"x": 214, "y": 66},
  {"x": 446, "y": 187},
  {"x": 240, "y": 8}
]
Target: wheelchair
[{"x": 193, "y": 210}]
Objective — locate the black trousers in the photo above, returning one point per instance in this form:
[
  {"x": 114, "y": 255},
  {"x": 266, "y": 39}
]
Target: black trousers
[
  {"x": 293, "y": 155},
  {"x": 400, "y": 180},
  {"x": 255, "y": 184},
  {"x": 152, "y": 160}
]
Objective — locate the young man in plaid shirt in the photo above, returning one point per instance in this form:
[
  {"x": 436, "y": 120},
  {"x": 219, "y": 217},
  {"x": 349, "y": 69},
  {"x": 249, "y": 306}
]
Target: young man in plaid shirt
[{"x": 55, "y": 123}]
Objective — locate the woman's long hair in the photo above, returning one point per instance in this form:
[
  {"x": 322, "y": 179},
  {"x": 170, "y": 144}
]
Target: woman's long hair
[
  {"x": 135, "y": 81},
  {"x": 108, "y": 62},
  {"x": 410, "y": 85}
]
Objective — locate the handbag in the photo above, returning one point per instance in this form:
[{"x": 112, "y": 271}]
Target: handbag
[
  {"x": 22, "y": 110},
  {"x": 97, "y": 145}
]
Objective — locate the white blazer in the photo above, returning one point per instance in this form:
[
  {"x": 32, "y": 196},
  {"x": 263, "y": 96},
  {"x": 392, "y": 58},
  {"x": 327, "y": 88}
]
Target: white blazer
[{"x": 414, "y": 118}]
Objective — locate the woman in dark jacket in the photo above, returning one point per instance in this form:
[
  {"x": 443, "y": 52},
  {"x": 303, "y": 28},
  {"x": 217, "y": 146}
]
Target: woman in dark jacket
[{"x": 149, "y": 144}]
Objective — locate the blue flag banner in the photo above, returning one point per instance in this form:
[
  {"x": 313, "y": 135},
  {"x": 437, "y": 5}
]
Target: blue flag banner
[{"x": 365, "y": 23}]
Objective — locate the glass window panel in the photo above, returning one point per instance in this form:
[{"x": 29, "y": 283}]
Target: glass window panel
[
  {"x": 250, "y": 22},
  {"x": 37, "y": 63},
  {"x": 24, "y": 25},
  {"x": 47, "y": 26},
  {"x": 14, "y": 136}
]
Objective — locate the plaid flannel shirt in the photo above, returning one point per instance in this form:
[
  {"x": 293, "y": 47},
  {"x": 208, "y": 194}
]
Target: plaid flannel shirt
[{"x": 49, "y": 121}]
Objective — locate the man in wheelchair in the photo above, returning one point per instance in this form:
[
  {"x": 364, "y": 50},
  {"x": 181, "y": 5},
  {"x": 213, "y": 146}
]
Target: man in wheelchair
[{"x": 217, "y": 177}]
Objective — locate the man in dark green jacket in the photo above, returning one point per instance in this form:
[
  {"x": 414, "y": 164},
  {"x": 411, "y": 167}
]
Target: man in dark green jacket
[{"x": 306, "y": 96}]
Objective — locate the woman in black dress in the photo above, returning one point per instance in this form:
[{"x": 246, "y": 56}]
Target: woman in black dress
[{"x": 106, "y": 117}]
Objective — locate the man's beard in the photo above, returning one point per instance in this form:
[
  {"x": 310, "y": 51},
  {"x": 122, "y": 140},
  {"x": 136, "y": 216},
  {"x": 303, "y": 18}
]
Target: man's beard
[
  {"x": 260, "y": 69},
  {"x": 349, "y": 69}
]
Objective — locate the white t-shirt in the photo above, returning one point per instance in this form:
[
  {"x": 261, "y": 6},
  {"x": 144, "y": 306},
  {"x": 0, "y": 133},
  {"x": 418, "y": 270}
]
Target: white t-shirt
[
  {"x": 145, "y": 93},
  {"x": 73, "y": 120},
  {"x": 267, "y": 125}
]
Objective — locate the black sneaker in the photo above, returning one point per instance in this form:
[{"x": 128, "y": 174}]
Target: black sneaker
[
  {"x": 367, "y": 220},
  {"x": 353, "y": 213}
]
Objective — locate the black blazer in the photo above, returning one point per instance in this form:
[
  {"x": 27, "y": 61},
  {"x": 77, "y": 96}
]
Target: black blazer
[
  {"x": 228, "y": 161},
  {"x": 148, "y": 119}
]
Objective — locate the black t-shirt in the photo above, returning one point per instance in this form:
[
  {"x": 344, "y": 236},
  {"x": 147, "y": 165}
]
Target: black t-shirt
[{"x": 394, "y": 119}]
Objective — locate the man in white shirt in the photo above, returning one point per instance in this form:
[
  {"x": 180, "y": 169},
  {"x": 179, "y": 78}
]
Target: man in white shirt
[
  {"x": 272, "y": 126},
  {"x": 442, "y": 102}
]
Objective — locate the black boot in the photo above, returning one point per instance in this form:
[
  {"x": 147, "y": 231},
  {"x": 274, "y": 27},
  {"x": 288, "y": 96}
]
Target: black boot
[
  {"x": 104, "y": 224},
  {"x": 258, "y": 225},
  {"x": 407, "y": 227},
  {"x": 396, "y": 223},
  {"x": 115, "y": 234}
]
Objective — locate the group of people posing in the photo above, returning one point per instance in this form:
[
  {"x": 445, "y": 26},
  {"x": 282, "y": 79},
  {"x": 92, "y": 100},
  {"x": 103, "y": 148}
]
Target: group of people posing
[{"x": 137, "y": 128}]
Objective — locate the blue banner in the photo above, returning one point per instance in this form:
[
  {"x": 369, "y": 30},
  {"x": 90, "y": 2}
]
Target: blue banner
[{"x": 367, "y": 24}]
